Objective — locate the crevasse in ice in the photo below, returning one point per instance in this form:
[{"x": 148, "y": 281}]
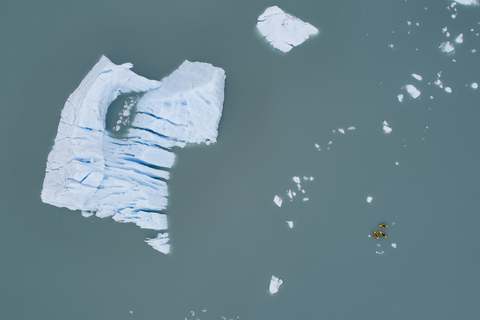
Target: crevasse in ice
[{"x": 126, "y": 177}]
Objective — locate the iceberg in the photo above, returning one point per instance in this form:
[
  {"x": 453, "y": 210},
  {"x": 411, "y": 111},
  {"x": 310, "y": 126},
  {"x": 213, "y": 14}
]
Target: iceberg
[
  {"x": 283, "y": 30},
  {"x": 125, "y": 177},
  {"x": 275, "y": 283}
]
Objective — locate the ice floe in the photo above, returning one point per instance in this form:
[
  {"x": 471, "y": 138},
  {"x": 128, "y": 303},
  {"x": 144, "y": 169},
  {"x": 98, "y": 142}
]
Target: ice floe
[
  {"x": 474, "y": 85},
  {"x": 414, "y": 93},
  {"x": 90, "y": 170},
  {"x": 277, "y": 200},
  {"x": 400, "y": 97},
  {"x": 283, "y": 30},
  {"x": 369, "y": 199},
  {"x": 394, "y": 245},
  {"x": 290, "y": 224},
  {"x": 386, "y": 128},
  {"x": 459, "y": 39},
  {"x": 467, "y": 2},
  {"x": 447, "y": 47},
  {"x": 416, "y": 76},
  {"x": 275, "y": 283}
]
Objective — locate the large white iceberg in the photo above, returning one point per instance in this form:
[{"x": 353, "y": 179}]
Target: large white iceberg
[
  {"x": 283, "y": 30},
  {"x": 90, "y": 170}
]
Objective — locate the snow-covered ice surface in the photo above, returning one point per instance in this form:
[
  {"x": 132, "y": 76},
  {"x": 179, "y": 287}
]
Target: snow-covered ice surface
[
  {"x": 283, "y": 30},
  {"x": 125, "y": 178},
  {"x": 275, "y": 283}
]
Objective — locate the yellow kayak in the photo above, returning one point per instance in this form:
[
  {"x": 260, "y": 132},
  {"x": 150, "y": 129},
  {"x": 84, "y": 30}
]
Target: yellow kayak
[
  {"x": 383, "y": 225},
  {"x": 375, "y": 234},
  {"x": 382, "y": 234}
]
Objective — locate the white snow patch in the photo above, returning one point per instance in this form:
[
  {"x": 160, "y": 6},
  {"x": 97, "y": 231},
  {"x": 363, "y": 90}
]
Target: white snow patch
[
  {"x": 278, "y": 200},
  {"x": 275, "y": 283},
  {"x": 414, "y": 93},
  {"x": 283, "y": 30}
]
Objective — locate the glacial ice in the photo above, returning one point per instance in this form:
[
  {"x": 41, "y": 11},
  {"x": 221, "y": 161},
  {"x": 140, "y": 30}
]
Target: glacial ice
[
  {"x": 90, "y": 170},
  {"x": 275, "y": 283},
  {"x": 283, "y": 30}
]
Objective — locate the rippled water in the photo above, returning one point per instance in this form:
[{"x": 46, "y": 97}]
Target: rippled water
[{"x": 283, "y": 118}]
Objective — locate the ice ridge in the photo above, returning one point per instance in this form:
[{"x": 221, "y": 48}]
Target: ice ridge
[{"x": 90, "y": 170}]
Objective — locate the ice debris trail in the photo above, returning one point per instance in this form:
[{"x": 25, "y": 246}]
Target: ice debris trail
[
  {"x": 125, "y": 178},
  {"x": 283, "y": 30}
]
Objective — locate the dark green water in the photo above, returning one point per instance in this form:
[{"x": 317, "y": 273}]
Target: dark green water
[{"x": 228, "y": 237}]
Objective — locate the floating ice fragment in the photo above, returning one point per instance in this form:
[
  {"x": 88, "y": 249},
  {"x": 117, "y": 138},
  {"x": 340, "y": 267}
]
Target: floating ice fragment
[
  {"x": 317, "y": 146},
  {"x": 438, "y": 82},
  {"x": 414, "y": 93},
  {"x": 416, "y": 76},
  {"x": 474, "y": 85},
  {"x": 296, "y": 179},
  {"x": 447, "y": 47},
  {"x": 290, "y": 194},
  {"x": 341, "y": 130},
  {"x": 311, "y": 179},
  {"x": 290, "y": 224},
  {"x": 444, "y": 29},
  {"x": 400, "y": 97},
  {"x": 448, "y": 89},
  {"x": 278, "y": 200},
  {"x": 386, "y": 128},
  {"x": 467, "y": 2},
  {"x": 92, "y": 171},
  {"x": 459, "y": 39},
  {"x": 351, "y": 128},
  {"x": 275, "y": 283},
  {"x": 394, "y": 245},
  {"x": 283, "y": 30},
  {"x": 305, "y": 199},
  {"x": 369, "y": 199},
  {"x": 160, "y": 243},
  {"x": 379, "y": 252}
]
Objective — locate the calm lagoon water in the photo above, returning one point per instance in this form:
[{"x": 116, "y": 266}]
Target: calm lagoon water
[{"x": 228, "y": 237}]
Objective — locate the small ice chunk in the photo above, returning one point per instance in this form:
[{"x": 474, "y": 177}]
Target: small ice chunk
[
  {"x": 438, "y": 82},
  {"x": 311, "y": 178},
  {"x": 379, "y": 252},
  {"x": 448, "y": 89},
  {"x": 283, "y": 30},
  {"x": 290, "y": 224},
  {"x": 369, "y": 199},
  {"x": 412, "y": 91},
  {"x": 160, "y": 243},
  {"x": 278, "y": 200},
  {"x": 447, "y": 47},
  {"x": 474, "y": 85},
  {"x": 416, "y": 76},
  {"x": 296, "y": 180},
  {"x": 400, "y": 97},
  {"x": 386, "y": 128},
  {"x": 474, "y": 50},
  {"x": 317, "y": 146},
  {"x": 444, "y": 29},
  {"x": 351, "y": 128},
  {"x": 341, "y": 130},
  {"x": 305, "y": 178},
  {"x": 290, "y": 194},
  {"x": 459, "y": 39},
  {"x": 394, "y": 245},
  {"x": 396, "y": 163},
  {"x": 305, "y": 199},
  {"x": 467, "y": 2},
  {"x": 275, "y": 283}
]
